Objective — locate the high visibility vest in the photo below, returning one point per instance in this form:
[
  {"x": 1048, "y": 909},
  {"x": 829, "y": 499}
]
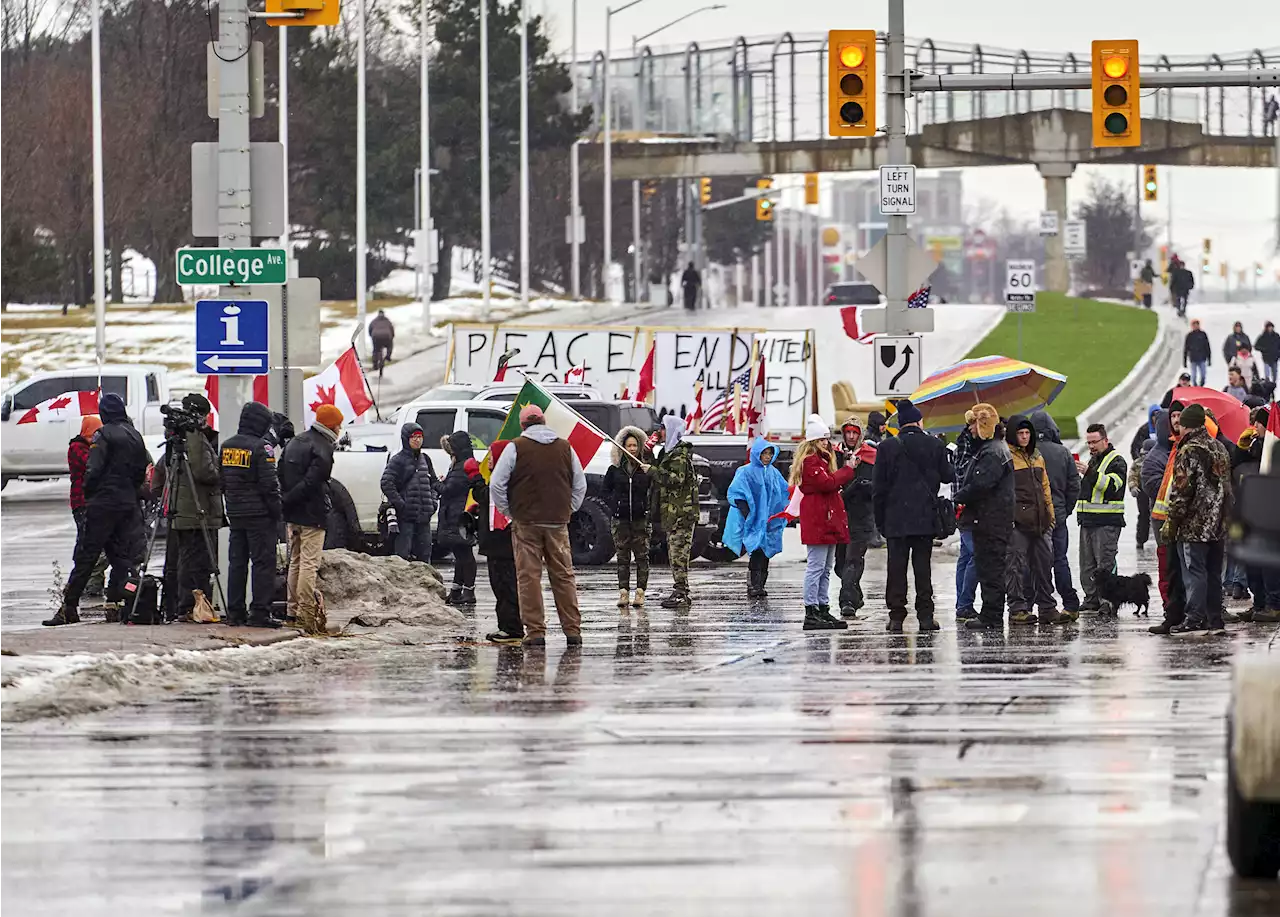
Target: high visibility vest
[
  {"x": 1095, "y": 503},
  {"x": 1160, "y": 509}
]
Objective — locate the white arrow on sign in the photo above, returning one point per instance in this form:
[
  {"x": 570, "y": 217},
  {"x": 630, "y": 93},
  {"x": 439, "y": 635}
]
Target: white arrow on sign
[{"x": 216, "y": 362}]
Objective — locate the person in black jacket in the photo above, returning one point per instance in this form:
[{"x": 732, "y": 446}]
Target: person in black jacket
[
  {"x": 409, "y": 483},
  {"x": 626, "y": 490},
  {"x": 986, "y": 498},
  {"x": 1236, "y": 341},
  {"x": 251, "y": 492},
  {"x": 1197, "y": 353},
  {"x": 851, "y": 558},
  {"x": 114, "y": 477},
  {"x": 495, "y": 545},
  {"x": 1064, "y": 484},
  {"x": 909, "y": 470},
  {"x": 304, "y": 473},
  {"x": 455, "y": 531},
  {"x": 1268, "y": 347},
  {"x": 1138, "y": 446}
]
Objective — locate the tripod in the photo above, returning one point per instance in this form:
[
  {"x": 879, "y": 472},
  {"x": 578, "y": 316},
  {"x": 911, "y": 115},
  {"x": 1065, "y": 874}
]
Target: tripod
[{"x": 176, "y": 461}]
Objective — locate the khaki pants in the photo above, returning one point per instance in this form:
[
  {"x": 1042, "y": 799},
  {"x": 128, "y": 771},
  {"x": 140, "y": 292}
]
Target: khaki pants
[
  {"x": 305, "y": 544},
  {"x": 535, "y": 545}
]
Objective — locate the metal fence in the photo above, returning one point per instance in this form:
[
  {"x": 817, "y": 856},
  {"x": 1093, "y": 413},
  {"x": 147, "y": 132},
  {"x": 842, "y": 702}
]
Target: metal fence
[{"x": 775, "y": 88}]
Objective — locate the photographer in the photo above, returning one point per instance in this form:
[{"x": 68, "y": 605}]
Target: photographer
[
  {"x": 194, "y": 514},
  {"x": 252, "y": 494},
  {"x": 113, "y": 479}
]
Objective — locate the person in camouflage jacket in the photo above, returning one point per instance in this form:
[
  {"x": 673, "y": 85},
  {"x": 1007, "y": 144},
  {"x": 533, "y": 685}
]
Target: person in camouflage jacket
[{"x": 677, "y": 482}]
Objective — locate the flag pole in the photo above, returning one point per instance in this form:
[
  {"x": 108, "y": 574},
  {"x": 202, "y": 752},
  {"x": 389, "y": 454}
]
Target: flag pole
[{"x": 377, "y": 412}]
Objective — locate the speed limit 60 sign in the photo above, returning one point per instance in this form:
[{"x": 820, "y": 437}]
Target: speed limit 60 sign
[{"x": 1020, "y": 286}]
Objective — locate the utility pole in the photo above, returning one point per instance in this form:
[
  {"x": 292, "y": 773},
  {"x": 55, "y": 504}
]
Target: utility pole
[
  {"x": 99, "y": 208},
  {"x": 575, "y": 206},
  {"x": 362, "y": 219},
  {"x": 426, "y": 246},
  {"x": 485, "y": 269},
  {"x": 524, "y": 154}
]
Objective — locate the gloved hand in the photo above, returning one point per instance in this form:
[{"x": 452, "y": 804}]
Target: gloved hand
[{"x": 743, "y": 507}]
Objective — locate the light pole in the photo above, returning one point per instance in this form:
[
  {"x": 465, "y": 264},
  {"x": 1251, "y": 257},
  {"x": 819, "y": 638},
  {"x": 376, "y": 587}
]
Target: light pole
[
  {"x": 484, "y": 153},
  {"x": 361, "y": 219},
  {"x": 524, "y": 154},
  {"x": 607, "y": 259},
  {"x": 425, "y": 251},
  {"x": 574, "y": 204},
  {"x": 99, "y": 207}
]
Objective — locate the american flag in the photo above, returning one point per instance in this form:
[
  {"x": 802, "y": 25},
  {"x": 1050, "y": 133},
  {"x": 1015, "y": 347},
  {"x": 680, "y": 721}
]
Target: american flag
[
  {"x": 720, "y": 410},
  {"x": 919, "y": 299}
]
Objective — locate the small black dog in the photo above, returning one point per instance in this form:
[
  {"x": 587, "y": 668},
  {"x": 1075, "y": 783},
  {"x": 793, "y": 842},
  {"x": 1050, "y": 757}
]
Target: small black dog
[{"x": 1125, "y": 590}]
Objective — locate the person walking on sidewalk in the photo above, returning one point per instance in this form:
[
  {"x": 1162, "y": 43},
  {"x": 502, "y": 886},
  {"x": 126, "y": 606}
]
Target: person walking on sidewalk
[
  {"x": 1268, "y": 347},
  {"x": 859, "y": 507},
  {"x": 1100, "y": 514},
  {"x": 757, "y": 498},
  {"x": 1236, "y": 341},
  {"x": 409, "y": 484},
  {"x": 538, "y": 484},
  {"x": 822, "y": 519},
  {"x": 304, "y": 473},
  {"x": 1064, "y": 484},
  {"x": 966, "y": 572},
  {"x": 77, "y": 464},
  {"x": 910, "y": 469},
  {"x": 1197, "y": 353},
  {"x": 1199, "y": 502},
  {"x": 495, "y": 545},
  {"x": 986, "y": 501},
  {"x": 251, "y": 492},
  {"x": 1029, "y": 576},
  {"x": 626, "y": 490},
  {"x": 677, "y": 481},
  {"x": 455, "y": 531}
]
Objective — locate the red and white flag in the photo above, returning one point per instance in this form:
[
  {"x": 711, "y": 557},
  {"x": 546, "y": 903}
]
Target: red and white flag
[
  {"x": 340, "y": 384},
  {"x": 754, "y": 413},
  {"x": 693, "y": 420},
  {"x": 792, "y": 512},
  {"x": 64, "y": 407},
  {"x": 849, "y": 316},
  {"x": 576, "y": 375},
  {"x": 644, "y": 385},
  {"x": 212, "y": 389},
  {"x": 1271, "y": 441}
]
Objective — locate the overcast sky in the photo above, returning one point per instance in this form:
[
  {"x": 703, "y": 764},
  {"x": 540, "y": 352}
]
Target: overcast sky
[{"x": 1236, "y": 207}]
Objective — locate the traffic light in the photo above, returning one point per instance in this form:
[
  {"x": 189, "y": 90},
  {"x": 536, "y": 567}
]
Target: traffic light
[
  {"x": 315, "y": 12},
  {"x": 1149, "y": 186},
  {"x": 1204, "y": 265},
  {"x": 851, "y": 83},
  {"x": 1257, "y": 268},
  {"x": 1117, "y": 116},
  {"x": 1208, "y": 246},
  {"x": 764, "y": 206},
  {"x": 704, "y": 190},
  {"x": 811, "y": 188}
]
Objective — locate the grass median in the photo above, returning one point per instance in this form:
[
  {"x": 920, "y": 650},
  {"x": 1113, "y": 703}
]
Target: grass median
[{"x": 1094, "y": 344}]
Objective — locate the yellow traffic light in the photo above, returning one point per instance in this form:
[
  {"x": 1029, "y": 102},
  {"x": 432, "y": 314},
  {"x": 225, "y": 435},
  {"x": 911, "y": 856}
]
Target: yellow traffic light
[
  {"x": 704, "y": 190},
  {"x": 811, "y": 188},
  {"x": 851, "y": 83},
  {"x": 315, "y": 12},
  {"x": 1150, "y": 188},
  {"x": 764, "y": 206},
  {"x": 1117, "y": 113}
]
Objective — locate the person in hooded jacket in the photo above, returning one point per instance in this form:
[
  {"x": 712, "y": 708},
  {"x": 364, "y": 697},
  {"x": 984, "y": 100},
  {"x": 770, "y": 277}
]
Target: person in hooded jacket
[
  {"x": 1197, "y": 352},
  {"x": 1142, "y": 438},
  {"x": 409, "y": 483},
  {"x": 757, "y": 496},
  {"x": 1246, "y": 460},
  {"x": 251, "y": 491},
  {"x": 626, "y": 490},
  {"x": 1157, "y": 474},
  {"x": 822, "y": 519},
  {"x": 966, "y": 572},
  {"x": 859, "y": 508},
  {"x": 454, "y": 531},
  {"x": 1268, "y": 347},
  {"x": 677, "y": 481},
  {"x": 1236, "y": 341},
  {"x": 986, "y": 499},
  {"x": 114, "y": 477},
  {"x": 1064, "y": 484},
  {"x": 495, "y": 545},
  {"x": 1029, "y": 577},
  {"x": 77, "y": 463}
]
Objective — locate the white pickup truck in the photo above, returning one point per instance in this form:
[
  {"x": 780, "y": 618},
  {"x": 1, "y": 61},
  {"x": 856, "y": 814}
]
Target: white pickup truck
[{"x": 39, "y": 450}]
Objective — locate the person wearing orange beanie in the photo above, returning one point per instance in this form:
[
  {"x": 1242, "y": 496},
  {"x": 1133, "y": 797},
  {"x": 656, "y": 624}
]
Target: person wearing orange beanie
[{"x": 78, "y": 463}]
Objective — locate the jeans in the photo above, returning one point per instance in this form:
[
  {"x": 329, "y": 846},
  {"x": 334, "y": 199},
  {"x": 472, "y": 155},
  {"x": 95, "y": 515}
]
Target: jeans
[
  {"x": 918, "y": 550},
  {"x": 1269, "y": 370},
  {"x": 1202, "y": 577},
  {"x": 413, "y": 540},
  {"x": 1235, "y": 574},
  {"x": 1061, "y": 542},
  {"x": 1199, "y": 371},
  {"x": 966, "y": 573},
  {"x": 817, "y": 573}
]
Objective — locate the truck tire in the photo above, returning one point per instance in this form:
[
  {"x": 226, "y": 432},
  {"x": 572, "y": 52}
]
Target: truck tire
[
  {"x": 1253, "y": 827},
  {"x": 342, "y": 528},
  {"x": 4, "y": 481},
  {"x": 590, "y": 534}
]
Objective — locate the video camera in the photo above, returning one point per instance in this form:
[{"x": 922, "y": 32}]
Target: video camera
[{"x": 178, "y": 421}]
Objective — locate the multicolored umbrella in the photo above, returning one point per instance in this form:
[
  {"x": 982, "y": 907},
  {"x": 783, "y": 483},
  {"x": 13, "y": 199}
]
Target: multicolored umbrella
[{"x": 1012, "y": 386}]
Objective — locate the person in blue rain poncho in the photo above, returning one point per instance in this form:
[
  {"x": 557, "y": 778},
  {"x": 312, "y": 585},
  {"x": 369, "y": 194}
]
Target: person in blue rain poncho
[{"x": 757, "y": 494}]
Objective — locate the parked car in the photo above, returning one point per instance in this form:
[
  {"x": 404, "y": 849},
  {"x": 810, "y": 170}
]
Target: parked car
[{"x": 852, "y": 293}]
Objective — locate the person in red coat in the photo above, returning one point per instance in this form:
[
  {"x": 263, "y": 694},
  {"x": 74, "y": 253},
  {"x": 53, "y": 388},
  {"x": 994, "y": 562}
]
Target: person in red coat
[
  {"x": 77, "y": 464},
  {"x": 823, "y": 523}
]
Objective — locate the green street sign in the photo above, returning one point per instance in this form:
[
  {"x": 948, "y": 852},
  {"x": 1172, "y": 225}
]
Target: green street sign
[{"x": 224, "y": 266}]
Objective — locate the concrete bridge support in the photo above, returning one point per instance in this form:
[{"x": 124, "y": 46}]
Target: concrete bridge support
[{"x": 1055, "y": 175}]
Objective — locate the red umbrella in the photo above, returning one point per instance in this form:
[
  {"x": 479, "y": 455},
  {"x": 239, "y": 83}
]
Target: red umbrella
[{"x": 1232, "y": 416}]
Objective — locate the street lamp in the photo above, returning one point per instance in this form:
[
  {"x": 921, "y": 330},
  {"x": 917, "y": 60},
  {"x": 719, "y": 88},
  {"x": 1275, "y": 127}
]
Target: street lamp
[{"x": 607, "y": 260}]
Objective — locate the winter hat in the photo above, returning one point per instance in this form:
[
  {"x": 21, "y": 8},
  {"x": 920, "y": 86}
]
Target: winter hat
[
  {"x": 111, "y": 408},
  {"x": 89, "y": 425},
  {"x": 816, "y": 428},
  {"x": 1192, "y": 416},
  {"x": 329, "y": 415},
  {"x": 968, "y": 417},
  {"x": 471, "y": 467},
  {"x": 1176, "y": 406},
  {"x": 1260, "y": 415},
  {"x": 908, "y": 412},
  {"x": 531, "y": 414},
  {"x": 986, "y": 417}
]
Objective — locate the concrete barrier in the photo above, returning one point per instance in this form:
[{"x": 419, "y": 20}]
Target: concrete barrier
[{"x": 1155, "y": 369}]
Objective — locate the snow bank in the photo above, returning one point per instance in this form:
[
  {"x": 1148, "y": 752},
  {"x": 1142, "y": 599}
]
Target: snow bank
[{"x": 394, "y": 599}]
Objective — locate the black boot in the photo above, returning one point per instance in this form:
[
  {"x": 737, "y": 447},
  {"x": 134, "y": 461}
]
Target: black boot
[
  {"x": 263, "y": 620},
  {"x": 927, "y": 624},
  {"x": 467, "y": 597},
  {"x": 825, "y": 610},
  {"x": 983, "y": 623},
  {"x": 454, "y": 597},
  {"x": 64, "y": 616},
  {"x": 894, "y": 626},
  {"x": 814, "y": 619}
]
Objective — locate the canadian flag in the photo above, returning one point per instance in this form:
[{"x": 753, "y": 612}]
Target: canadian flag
[
  {"x": 754, "y": 413},
  {"x": 1271, "y": 440},
  {"x": 693, "y": 420},
  {"x": 65, "y": 406},
  {"x": 849, "y": 317},
  {"x": 211, "y": 391},
  {"x": 644, "y": 385},
  {"x": 576, "y": 375},
  {"x": 792, "y": 512},
  {"x": 341, "y": 384}
]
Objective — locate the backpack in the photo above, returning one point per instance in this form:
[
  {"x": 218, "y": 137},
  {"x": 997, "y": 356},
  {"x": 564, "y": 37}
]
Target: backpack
[{"x": 141, "y": 600}]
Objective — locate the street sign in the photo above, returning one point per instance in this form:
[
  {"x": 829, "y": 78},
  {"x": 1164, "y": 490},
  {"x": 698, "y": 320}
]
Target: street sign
[
  {"x": 266, "y": 179},
  {"x": 1020, "y": 286},
  {"x": 1048, "y": 222},
  {"x": 897, "y": 189},
  {"x": 1074, "y": 239},
  {"x": 897, "y": 364},
  {"x": 229, "y": 266},
  {"x": 873, "y": 265},
  {"x": 232, "y": 336}
]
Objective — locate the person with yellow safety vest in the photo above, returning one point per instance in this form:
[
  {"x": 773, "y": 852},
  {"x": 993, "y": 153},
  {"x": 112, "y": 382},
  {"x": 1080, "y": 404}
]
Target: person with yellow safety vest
[{"x": 1100, "y": 514}]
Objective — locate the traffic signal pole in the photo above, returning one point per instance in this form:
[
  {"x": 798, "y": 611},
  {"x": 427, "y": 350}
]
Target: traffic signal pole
[{"x": 896, "y": 252}]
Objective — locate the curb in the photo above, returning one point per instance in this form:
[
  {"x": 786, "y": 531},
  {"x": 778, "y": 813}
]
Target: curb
[{"x": 1158, "y": 362}]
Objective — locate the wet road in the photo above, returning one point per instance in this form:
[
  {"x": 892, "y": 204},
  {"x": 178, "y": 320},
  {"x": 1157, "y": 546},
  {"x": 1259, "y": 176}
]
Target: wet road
[{"x": 718, "y": 760}]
